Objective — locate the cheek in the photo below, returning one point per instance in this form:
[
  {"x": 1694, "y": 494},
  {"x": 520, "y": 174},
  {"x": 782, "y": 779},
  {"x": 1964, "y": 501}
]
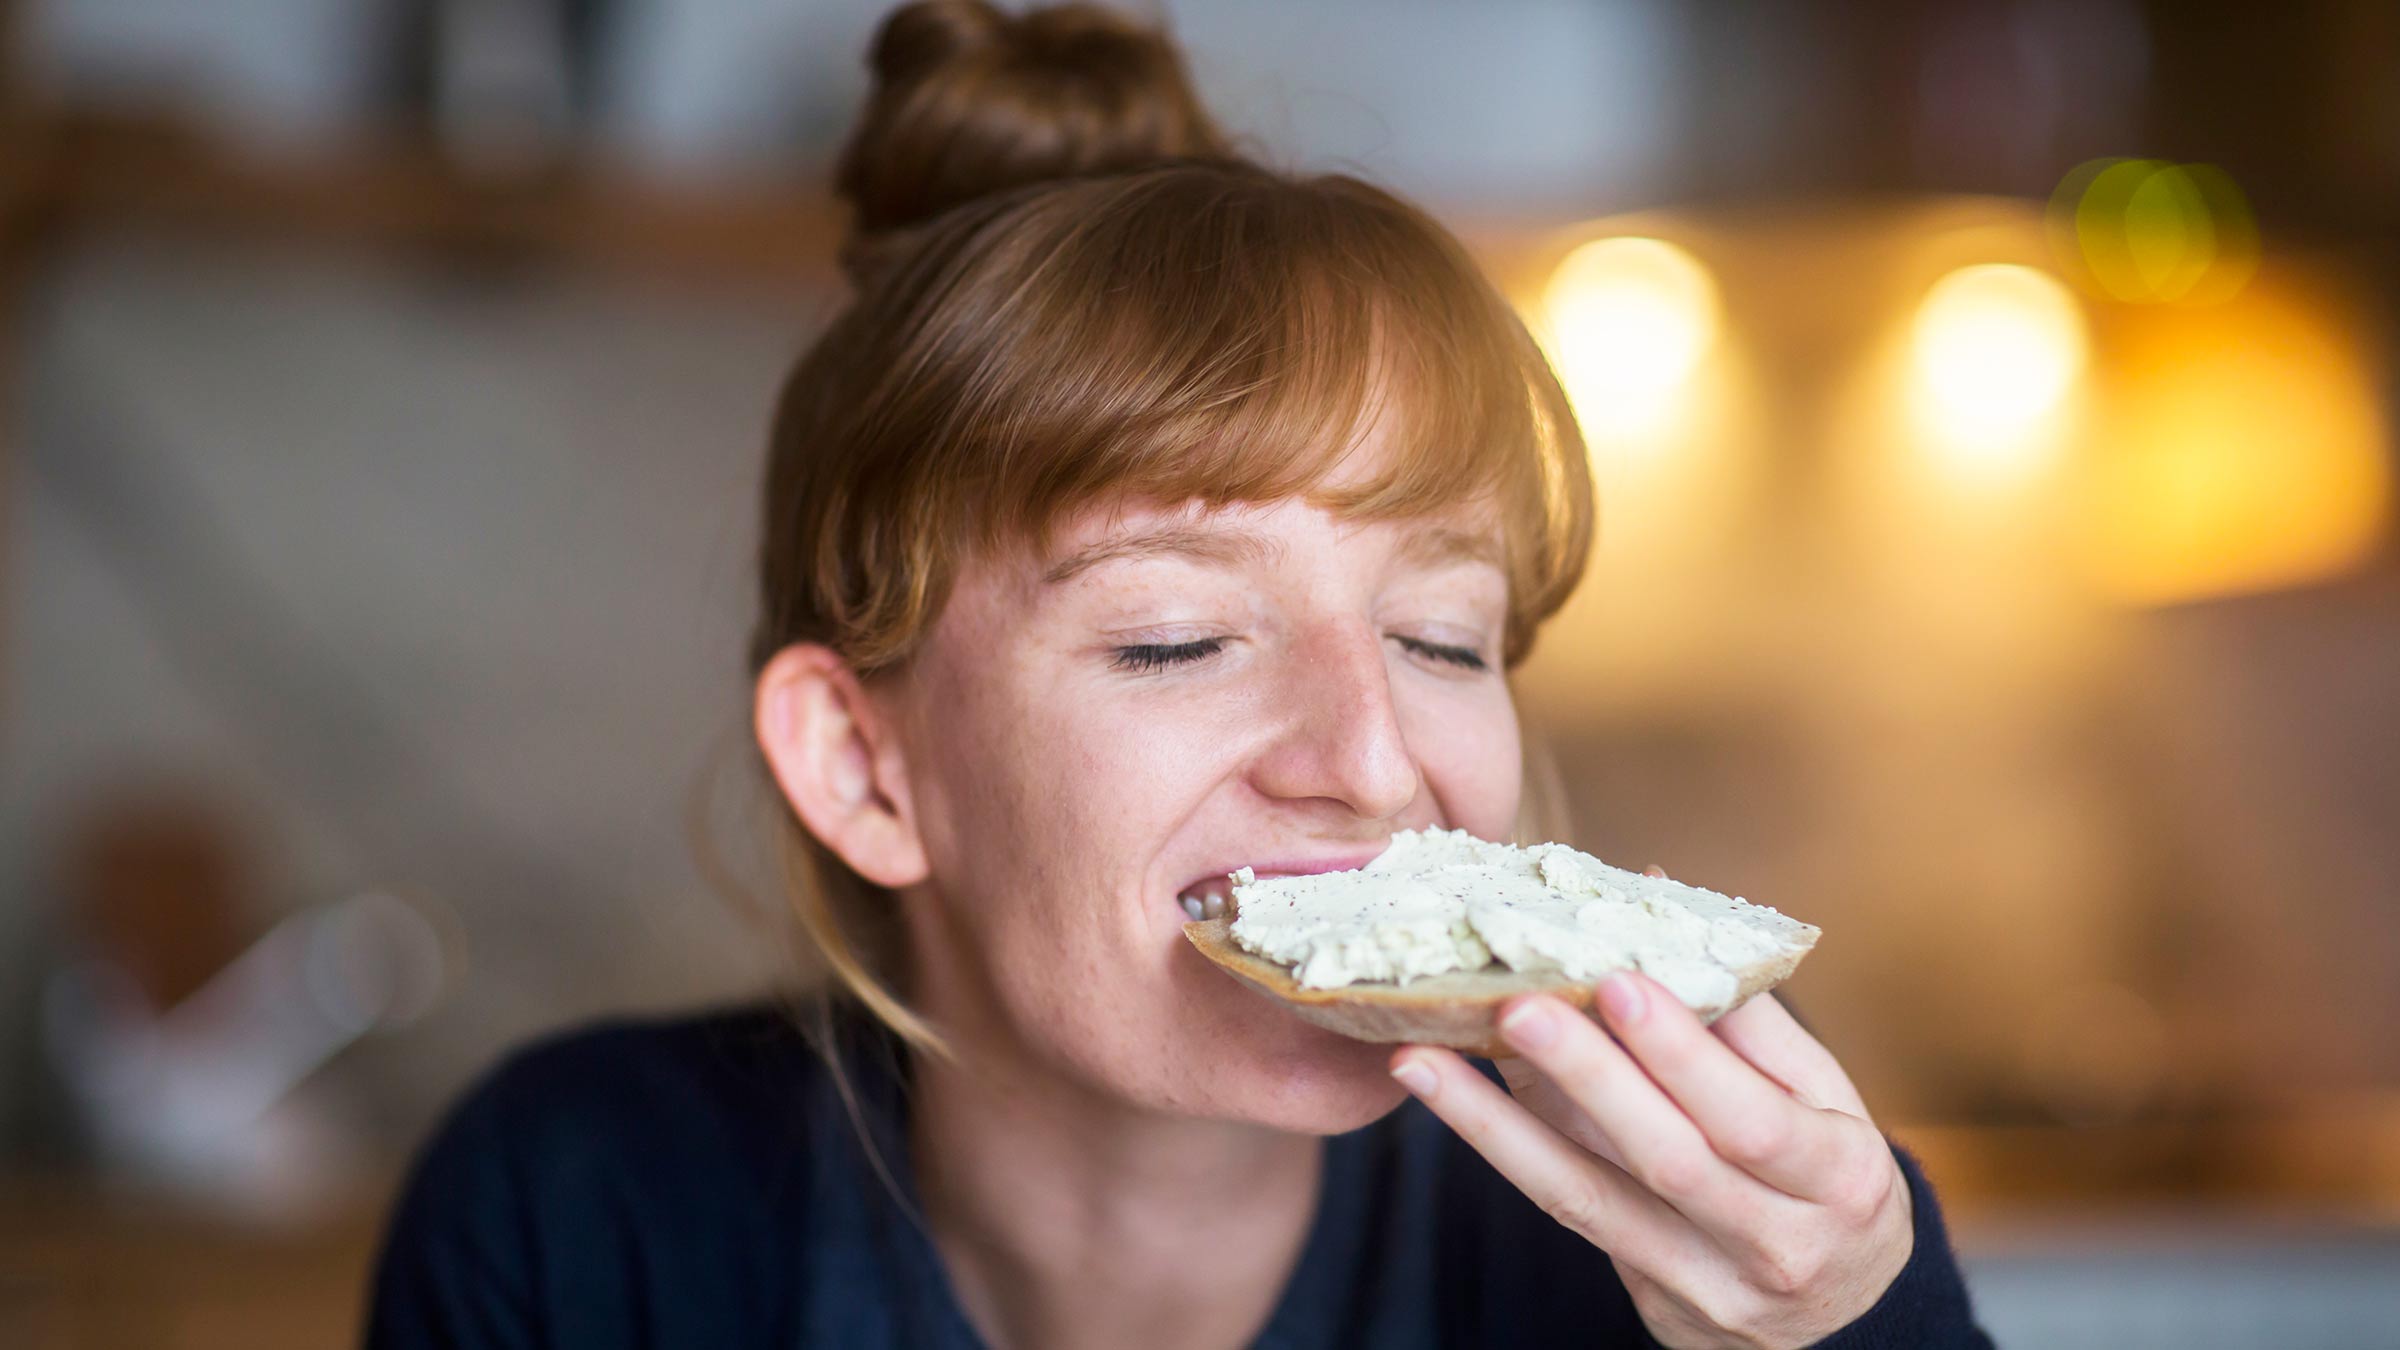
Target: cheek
[
  {"x": 1468, "y": 744},
  {"x": 1047, "y": 796},
  {"x": 1052, "y": 754},
  {"x": 1055, "y": 810}
]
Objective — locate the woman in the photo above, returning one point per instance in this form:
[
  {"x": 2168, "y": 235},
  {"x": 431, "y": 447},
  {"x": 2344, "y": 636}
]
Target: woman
[{"x": 1148, "y": 514}]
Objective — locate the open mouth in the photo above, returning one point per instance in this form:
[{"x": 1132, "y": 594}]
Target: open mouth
[
  {"x": 1211, "y": 896},
  {"x": 1208, "y": 899}
]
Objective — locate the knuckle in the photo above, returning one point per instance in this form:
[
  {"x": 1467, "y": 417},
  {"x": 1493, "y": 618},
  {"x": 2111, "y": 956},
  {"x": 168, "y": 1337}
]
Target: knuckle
[
  {"x": 1787, "y": 1271},
  {"x": 1675, "y": 1175},
  {"x": 1867, "y": 1177},
  {"x": 1755, "y": 1139},
  {"x": 1477, "y": 1126},
  {"x": 1578, "y": 1210},
  {"x": 1667, "y": 1057}
]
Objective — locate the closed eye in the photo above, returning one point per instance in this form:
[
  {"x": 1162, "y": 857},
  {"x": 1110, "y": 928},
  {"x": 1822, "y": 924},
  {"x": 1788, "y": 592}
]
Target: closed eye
[
  {"x": 1151, "y": 656},
  {"x": 1465, "y": 658},
  {"x": 1160, "y": 655}
]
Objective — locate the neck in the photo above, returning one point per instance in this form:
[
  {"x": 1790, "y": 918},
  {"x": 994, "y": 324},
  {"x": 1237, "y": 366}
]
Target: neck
[{"x": 1069, "y": 1218}]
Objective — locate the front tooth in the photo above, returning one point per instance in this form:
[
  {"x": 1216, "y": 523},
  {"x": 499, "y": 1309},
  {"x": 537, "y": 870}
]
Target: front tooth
[
  {"x": 1213, "y": 906},
  {"x": 1191, "y": 905}
]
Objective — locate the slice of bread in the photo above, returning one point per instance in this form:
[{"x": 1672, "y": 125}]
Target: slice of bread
[{"x": 1458, "y": 1008}]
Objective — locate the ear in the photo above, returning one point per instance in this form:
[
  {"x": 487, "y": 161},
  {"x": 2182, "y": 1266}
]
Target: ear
[{"x": 834, "y": 755}]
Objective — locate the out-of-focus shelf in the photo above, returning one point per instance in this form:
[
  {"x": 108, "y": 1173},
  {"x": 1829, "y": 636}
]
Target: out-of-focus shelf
[
  {"x": 2334, "y": 1162},
  {"x": 62, "y": 171}
]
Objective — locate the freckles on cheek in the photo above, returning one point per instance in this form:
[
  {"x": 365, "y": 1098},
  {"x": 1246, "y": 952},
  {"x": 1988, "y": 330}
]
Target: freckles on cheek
[
  {"x": 1473, "y": 759},
  {"x": 969, "y": 765},
  {"x": 1033, "y": 763},
  {"x": 1099, "y": 767}
]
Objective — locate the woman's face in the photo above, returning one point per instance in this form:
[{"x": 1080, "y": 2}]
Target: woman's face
[{"x": 1168, "y": 695}]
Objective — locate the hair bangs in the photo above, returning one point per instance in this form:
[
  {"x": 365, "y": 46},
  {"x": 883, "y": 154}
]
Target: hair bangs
[{"x": 1179, "y": 366}]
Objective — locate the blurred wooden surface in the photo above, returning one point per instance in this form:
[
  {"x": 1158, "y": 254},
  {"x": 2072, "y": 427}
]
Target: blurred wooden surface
[
  {"x": 79, "y": 1271},
  {"x": 2335, "y": 1160}
]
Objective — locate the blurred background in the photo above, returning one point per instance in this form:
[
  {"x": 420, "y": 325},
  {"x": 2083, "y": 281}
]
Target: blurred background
[{"x": 1993, "y": 405}]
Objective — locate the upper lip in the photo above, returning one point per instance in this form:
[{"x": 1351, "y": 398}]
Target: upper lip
[{"x": 1294, "y": 866}]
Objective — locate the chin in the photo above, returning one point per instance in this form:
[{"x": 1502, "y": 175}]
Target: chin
[{"x": 1276, "y": 1070}]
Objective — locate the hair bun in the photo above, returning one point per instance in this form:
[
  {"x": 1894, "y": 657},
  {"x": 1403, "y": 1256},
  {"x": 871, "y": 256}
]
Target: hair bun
[
  {"x": 970, "y": 100},
  {"x": 920, "y": 37}
]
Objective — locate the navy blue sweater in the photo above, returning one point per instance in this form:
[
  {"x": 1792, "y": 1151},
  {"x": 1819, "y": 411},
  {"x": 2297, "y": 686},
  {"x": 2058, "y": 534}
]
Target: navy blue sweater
[{"x": 700, "y": 1182}]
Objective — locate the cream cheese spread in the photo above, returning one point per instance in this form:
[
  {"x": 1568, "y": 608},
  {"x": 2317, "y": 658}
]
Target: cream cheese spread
[{"x": 1443, "y": 900}]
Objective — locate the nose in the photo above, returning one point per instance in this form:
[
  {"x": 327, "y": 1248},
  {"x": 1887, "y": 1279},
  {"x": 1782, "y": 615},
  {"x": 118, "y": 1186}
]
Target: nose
[{"x": 1342, "y": 739}]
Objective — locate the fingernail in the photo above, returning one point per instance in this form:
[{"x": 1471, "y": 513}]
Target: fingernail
[
  {"x": 1529, "y": 1026},
  {"x": 1622, "y": 1000},
  {"x": 1416, "y": 1077}
]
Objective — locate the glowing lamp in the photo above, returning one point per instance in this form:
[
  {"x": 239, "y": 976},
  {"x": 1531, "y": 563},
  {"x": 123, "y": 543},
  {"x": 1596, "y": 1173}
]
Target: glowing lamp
[
  {"x": 1995, "y": 350},
  {"x": 1630, "y": 320}
]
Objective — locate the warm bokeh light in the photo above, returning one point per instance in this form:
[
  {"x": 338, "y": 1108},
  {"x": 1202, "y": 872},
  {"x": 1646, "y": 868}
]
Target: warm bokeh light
[
  {"x": 2146, "y": 231},
  {"x": 2241, "y": 451},
  {"x": 1629, "y": 322},
  {"x": 1996, "y": 347}
]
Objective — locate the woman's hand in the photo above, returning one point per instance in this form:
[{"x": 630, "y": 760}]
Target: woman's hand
[{"x": 1731, "y": 1173}]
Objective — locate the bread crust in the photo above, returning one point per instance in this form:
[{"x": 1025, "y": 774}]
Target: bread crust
[{"x": 1456, "y": 1009}]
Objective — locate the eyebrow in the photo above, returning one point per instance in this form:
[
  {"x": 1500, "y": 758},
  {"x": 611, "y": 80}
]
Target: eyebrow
[
  {"x": 1430, "y": 546},
  {"x": 1434, "y": 545},
  {"x": 1219, "y": 545}
]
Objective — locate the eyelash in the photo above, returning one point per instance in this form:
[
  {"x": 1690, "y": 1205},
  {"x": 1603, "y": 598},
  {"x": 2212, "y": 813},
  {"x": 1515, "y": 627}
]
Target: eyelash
[
  {"x": 1160, "y": 655},
  {"x": 1153, "y": 656}
]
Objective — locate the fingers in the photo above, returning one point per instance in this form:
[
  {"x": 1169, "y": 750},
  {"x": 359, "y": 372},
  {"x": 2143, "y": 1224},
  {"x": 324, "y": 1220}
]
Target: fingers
[
  {"x": 1762, "y": 1032},
  {"x": 1663, "y": 1148},
  {"x": 1767, "y": 1036},
  {"x": 1587, "y": 1195},
  {"x": 1544, "y": 1099},
  {"x": 1747, "y": 1118}
]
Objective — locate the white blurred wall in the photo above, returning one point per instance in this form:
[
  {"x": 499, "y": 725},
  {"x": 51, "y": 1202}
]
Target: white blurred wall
[
  {"x": 437, "y": 587},
  {"x": 1504, "y": 106}
]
